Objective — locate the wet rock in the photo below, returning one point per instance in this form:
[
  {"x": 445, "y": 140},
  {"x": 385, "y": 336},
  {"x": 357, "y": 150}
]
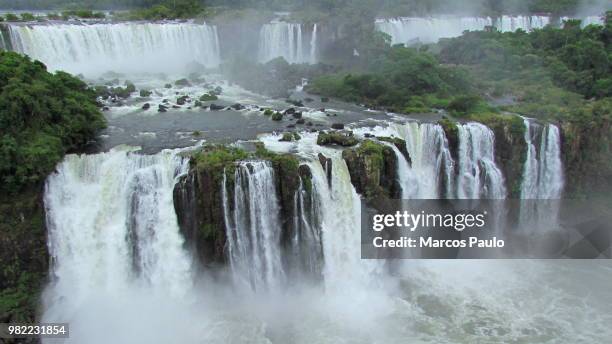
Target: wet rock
[
  {"x": 168, "y": 86},
  {"x": 277, "y": 116},
  {"x": 300, "y": 121},
  {"x": 324, "y": 99},
  {"x": 162, "y": 108},
  {"x": 289, "y": 111},
  {"x": 238, "y": 107},
  {"x": 176, "y": 107},
  {"x": 337, "y": 126},
  {"x": 326, "y": 163},
  {"x": 297, "y": 115},
  {"x": 291, "y": 126},
  {"x": 372, "y": 166},
  {"x": 295, "y": 102},
  {"x": 208, "y": 97},
  {"x": 145, "y": 93},
  {"x": 309, "y": 123},
  {"x": 182, "y": 82},
  {"x": 182, "y": 100},
  {"x": 215, "y": 107},
  {"x": 146, "y": 106},
  {"x": 340, "y": 138}
]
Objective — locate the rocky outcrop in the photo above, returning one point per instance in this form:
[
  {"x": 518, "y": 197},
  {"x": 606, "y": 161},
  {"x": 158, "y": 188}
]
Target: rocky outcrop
[
  {"x": 340, "y": 138},
  {"x": 198, "y": 198},
  {"x": 373, "y": 169}
]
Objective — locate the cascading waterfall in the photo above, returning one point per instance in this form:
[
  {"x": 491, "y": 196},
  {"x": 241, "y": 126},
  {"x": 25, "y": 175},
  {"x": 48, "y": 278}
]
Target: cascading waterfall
[
  {"x": 477, "y": 175},
  {"x": 542, "y": 176},
  {"x": 306, "y": 256},
  {"x": 286, "y": 40},
  {"x": 543, "y": 171},
  {"x": 112, "y": 227},
  {"x": 432, "y": 167},
  {"x": 254, "y": 230},
  {"x": 124, "y": 47},
  {"x": 409, "y": 30}
]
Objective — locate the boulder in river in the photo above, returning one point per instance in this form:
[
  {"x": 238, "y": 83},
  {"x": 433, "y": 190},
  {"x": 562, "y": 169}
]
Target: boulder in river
[
  {"x": 215, "y": 107},
  {"x": 337, "y": 126},
  {"x": 146, "y": 106},
  {"x": 162, "y": 108}
]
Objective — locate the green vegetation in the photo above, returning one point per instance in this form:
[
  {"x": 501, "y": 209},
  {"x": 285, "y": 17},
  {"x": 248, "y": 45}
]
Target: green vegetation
[
  {"x": 42, "y": 116},
  {"x": 340, "y": 138},
  {"x": 400, "y": 79},
  {"x": 208, "y": 97}
]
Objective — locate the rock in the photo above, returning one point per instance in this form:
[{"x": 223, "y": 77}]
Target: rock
[
  {"x": 324, "y": 100},
  {"x": 208, "y": 97},
  {"x": 238, "y": 107},
  {"x": 297, "y": 115},
  {"x": 308, "y": 100},
  {"x": 368, "y": 135},
  {"x": 399, "y": 144},
  {"x": 337, "y": 126},
  {"x": 197, "y": 103},
  {"x": 182, "y": 82},
  {"x": 287, "y": 137},
  {"x": 145, "y": 93},
  {"x": 300, "y": 121},
  {"x": 289, "y": 111},
  {"x": 291, "y": 126},
  {"x": 176, "y": 107},
  {"x": 268, "y": 112},
  {"x": 309, "y": 123},
  {"x": 168, "y": 86},
  {"x": 373, "y": 171},
  {"x": 341, "y": 138},
  {"x": 182, "y": 100},
  {"x": 165, "y": 101},
  {"x": 106, "y": 108},
  {"x": 277, "y": 116},
  {"x": 162, "y": 108},
  {"x": 215, "y": 107},
  {"x": 146, "y": 106},
  {"x": 327, "y": 167},
  {"x": 295, "y": 102}
]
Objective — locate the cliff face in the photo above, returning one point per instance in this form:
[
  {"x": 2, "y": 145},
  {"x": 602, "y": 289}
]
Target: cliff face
[
  {"x": 587, "y": 158},
  {"x": 23, "y": 255},
  {"x": 373, "y": 169},
  {"x": 199, "y": 204}
]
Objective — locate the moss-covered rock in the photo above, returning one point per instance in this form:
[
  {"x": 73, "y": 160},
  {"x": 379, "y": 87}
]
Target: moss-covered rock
[
  {"x": 277, "y": 116},
  {"x": 207, "y": 97},
  {"x": 373, "y": 169},
  {"x": 399, "y": 144},
  {"x": 182, "y": 82},
  {"x": 340, "y": 138},
  {"x": 145, "y": 93}
]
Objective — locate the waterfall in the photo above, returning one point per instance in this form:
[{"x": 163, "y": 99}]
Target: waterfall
[
  {"x": 281, "y": 39},
  {"x": 124, "y": 47},
  {"x": 254, "y": 232},
  {"x": 313, "y": 45},
  {"x": 409, "y": 30},
  {"x": 543, "y": 176},
  {"x": 478, "y": 176},
  {"x": 306, "y": 256},
  {"x": 432, "y": 167},
  {"x": 112, "y": 226}
]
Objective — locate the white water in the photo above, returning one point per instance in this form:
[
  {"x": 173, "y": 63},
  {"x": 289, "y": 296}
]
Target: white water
[
  {"x": 112, "y": 230},
  {"x": 430, "y": 173},
  {"x": 93, "y": 49},
  {"x": 287, "y": 40},
  {"x": 254, "y": 232},
  {"x": 409, "y": 30},
  {"x": 543, "y": 172},
  {"x": 477, "y": 175}
]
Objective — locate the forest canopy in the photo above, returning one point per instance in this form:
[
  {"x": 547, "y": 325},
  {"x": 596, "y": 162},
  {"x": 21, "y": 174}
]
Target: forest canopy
[
  {"x": 42, "y": 116},
  {"x": 404, "y": 7}
]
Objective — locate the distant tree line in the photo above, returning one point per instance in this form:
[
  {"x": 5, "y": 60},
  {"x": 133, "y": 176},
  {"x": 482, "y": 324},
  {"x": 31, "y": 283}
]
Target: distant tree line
[{"x": 403, "y": 7}]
